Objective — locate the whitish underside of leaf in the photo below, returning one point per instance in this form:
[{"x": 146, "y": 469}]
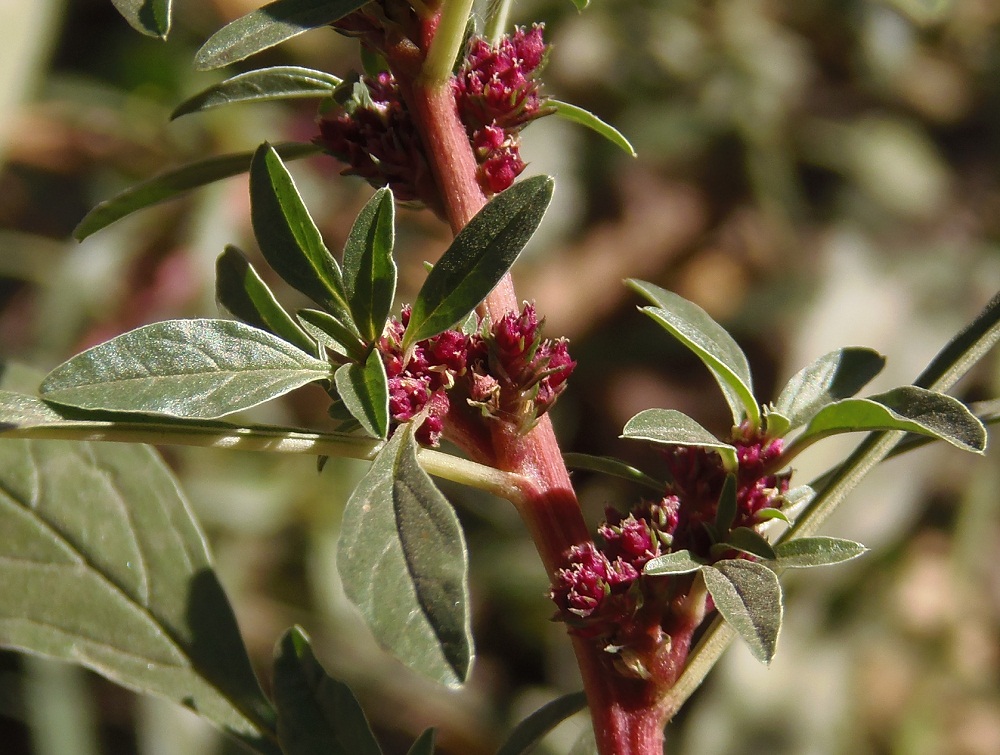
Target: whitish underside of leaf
[
  {"x": 816, "y": 551},
  {"x": 261, "y": 85},
  {"x": 748, "y": 596},
  {"x": 587, "y": 119},
  {"x": 672, "y": 428}
]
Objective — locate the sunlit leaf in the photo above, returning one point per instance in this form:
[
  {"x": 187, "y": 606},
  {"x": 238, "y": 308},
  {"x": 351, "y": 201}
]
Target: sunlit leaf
[
  {"x": 403, "y": 563},
  {"x": 175, "y": 182},
  {"x": 200, "y": 369},
  {"x": 530, "y": 731},
  {"x": 267, "y": 27},
  {"x": 816, "y": 551},
  {"x": 369, "y": 270},
  {"x": 102, "y": 564},
  {"x": 151, "y": 17},
  {"x": 693, "y": 327},
  {"x": 365, "y": 392},
  {"x": 672, "y": 428},
  {"x": 317, "y": 714},
  {"x": 262, "y": 85},
  {"x": 587, "y": 119},
  {"x": 678, "y": 562},
  {"x": 478, "y": 258},
  {"x": 748, "y": 596}
]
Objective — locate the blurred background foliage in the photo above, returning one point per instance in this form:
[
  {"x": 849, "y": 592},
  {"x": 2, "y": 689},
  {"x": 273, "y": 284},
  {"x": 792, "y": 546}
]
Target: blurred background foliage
[{"x": 815, "y": 173}]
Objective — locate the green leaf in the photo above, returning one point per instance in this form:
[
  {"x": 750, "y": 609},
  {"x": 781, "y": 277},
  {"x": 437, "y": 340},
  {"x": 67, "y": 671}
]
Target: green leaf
[
  {"x": 478, "y": 258},
  {"x": 915, "y": 410},
  {"x": 262, "y": 85},
  {"x": 678, "y": 562},
  {"x": 587, "y": 119},
  {"x": 748, "y": 597},
  {"x": 241, "y": 290},
  {"x": 725, "y": 512},
  {"x": 815, "y": 551},
  {"x": 200, "y": 369},
  {"x": 102, "y": 564},
  {"x": 151, "y": 17},
  {"x": 369, "y": 270},
  {"x": 403, "y": 563},
  {"x": 175, "y": 182},
  {"x": 288, "y": 238},
  {"x": 317, "y": 714},
  {"x": 964, "y": 350},
  {"x": 672, "y": 428},
  {"x": 692, "y": 326},
  {"x": 530, "y": 731},
  {"x": 424, "y": 744},
  {"x": 834, "y": 376},
  {"x": 613, "y": 467},
  {"x": 364, "y": 390},
  {"x": 332, "y": 333},
  {"x": 267, "y": 27},
  {"x": 581, "y": 4},
  {"x": 749, "y": 541}
]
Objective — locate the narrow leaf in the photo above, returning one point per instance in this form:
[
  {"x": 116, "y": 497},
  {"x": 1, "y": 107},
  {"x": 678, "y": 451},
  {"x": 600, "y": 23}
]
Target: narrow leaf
[
  {"x": 364, "y": 390},
  {"x": 816, "y": 551},
  {"x": 200, "y": 369},
  {"x": 748, "y": 596},
  {"x": 478, "y": 258},
  {"x": 369, "y": 270},
  {"x": 403, "y": 562},
  {"x": 725, "y": 513},
  {"x": 587, "y": 119},
  {"x": 151, "y": 17},
  {"x": 678, "y": 562},
  {"x": 672, "y": 428},
  {"x": 262, "y": 85},
  {"x": 909, "y": 408},
  {"x": 288, "y": 238},
  {"x": 317, "y": 715},
  {"x": 530, "y": 731},
  {"x": 964, "y": 350},
  {"x": 102, "y": 564},
  {"x": 267, "y": 27},
  {"x": 241, "y": 290},
  {"x": 834, "y": 376},
  {"x": 332, "y": 333},
  {"x": 175, "y": 182},
  {"x": 750, "y": 541},
  {"x": 424, "y": 744},
  {"x": 692, "y": 326},
  {"x": 613, "y": 467}
]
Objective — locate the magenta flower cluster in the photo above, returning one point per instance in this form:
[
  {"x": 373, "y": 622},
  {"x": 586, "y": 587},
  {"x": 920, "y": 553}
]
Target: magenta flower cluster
[
  {"x": 505, "y": 372},
  {"x": 602, "y": 587},
  {"x": 496, "y": 93}
]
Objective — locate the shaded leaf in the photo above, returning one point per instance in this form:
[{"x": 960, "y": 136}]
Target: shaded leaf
[
  {"x": 530, "y": 731},
  {"x": 672, "y": 428},
  {"x": 587, "y": 119},
  {"x": 364, "y": 390},
  {"x": 317, "y": 714},
  {"x": 908, "y": 408},
  {"x": 102, "y": 564},
  {"x": 267, "y": 27},
  {"x": 478, "y": 258},
  {"x": 332, "y": 333},
  {"x": 241, "y": 290},
  {"x": 151, "y": 17},
  {"x": 276, "y": 83},
  {"x": 424, "y": 744},
  {"x": 750, "y": 541},
  {"x": 725, "y": 512},
  {"x": 611, "y": 466},
  {"x": 748, "y": 596},
  {"x": 369, "y": 270},
  {"x": 678, "y": 562},
  {"x": 200, "y": 369},
  {"x": 834, "y": 376},
  {"x": 816, "y": 551},
  {"x": 287, "y": 236},
  {"x": 964, "y": 350},
  {"x": 175, "y": 182},
  {"x": 692, "y": 326},
  {"x": 403, "y": 563}
]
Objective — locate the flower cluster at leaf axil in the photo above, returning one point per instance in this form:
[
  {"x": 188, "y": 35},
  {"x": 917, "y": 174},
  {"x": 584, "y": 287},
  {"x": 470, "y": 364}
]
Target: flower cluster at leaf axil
[
  {"x": 496, "y": 92},
  {"x": 602, "y": 589},
  {"x": 503, "y": 371}
]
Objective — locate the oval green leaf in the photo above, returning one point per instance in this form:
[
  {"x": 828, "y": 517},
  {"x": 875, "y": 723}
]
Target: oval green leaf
[
  {"x": 268, "y": 26},
  {"x": 678, "y": 562},
  {"x": 834, "y": 376},
  {"x": 530, "y": 731},
  {"x": 403, "y": 562},
  {"x": 317, "y": 714},
  {"x": 102, "y": 564},
  {"x": 287, "y": 236},
  {"x": 262, "y": 85},
  {"x": 369, "y": 270},
  {"x": 478, "y": 258},
  {"x": 672, "y": 428},
  {"x": 748, "y": 596},
  {"x": 151, "y": 17},
  {"x": 200, "y": 369},
  {"x": 364, "y": 389},
  {"x": 710, "y": 342},
  {"x": 587, "y": 119},
  {"x": 816, "y": 551},
  {"x": 243, "y": 292},
  {"x": 175, "y": 182}
]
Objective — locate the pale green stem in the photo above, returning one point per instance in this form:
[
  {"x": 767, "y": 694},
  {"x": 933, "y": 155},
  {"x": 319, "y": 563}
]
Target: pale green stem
[
  {"x": 447, "y": 42},
  {"x": 497, "y": 17}
]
